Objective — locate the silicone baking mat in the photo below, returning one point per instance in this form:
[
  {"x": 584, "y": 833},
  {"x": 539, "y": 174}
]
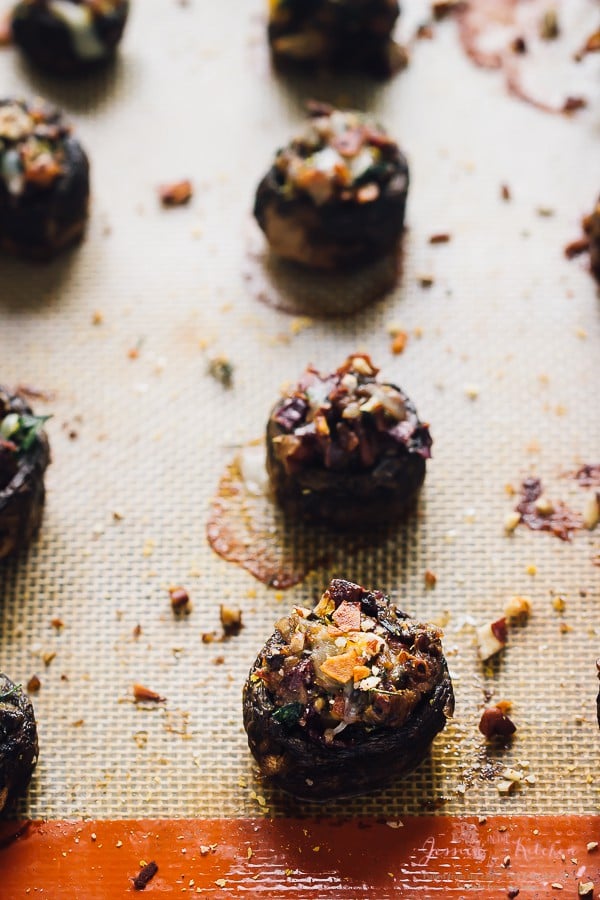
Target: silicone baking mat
[{"x": 501, "y": 359}]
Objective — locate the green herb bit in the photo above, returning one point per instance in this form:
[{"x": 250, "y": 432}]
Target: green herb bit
[
  {"x": 221, "y": 369},
  {"x": 14, "y": 690},
  {"x": 289, "y": 715},
  {"x": 30, "y": 427}
]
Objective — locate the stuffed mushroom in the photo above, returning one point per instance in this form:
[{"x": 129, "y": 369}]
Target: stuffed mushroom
[
  {"x": 44, "y": 181},
  {"x": 24, "y": 457},
  {"x": 346, "y": 449},
  {"x": 69, "y": 36},
  {"x": 18, "y": 742},
  {"x": 348, "y": 35},
  {"x": 336, "y": 195},
  {"x": 345, "y": 696}
]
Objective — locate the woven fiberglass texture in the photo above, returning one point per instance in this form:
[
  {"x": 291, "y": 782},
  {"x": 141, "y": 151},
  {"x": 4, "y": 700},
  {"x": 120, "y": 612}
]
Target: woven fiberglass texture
[{"x": 502, "y": 360}]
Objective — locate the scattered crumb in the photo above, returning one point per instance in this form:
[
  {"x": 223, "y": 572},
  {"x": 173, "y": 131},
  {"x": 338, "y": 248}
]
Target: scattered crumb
[
  {"x": 180, "y": 600},
  {"x": 231, "y": 620},
  {"x": 430, "y": 578},
  {"x": 33, "y": 685},
  {"x": 518, "y": 610},
  {"x": 399, "y": 342},
  {"x": 145, "y": 694},
  {"x": 176, "y": 193}
]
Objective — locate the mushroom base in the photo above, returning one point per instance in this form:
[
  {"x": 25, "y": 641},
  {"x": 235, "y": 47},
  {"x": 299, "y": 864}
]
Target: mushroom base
[
  {"x": 40, "y": 224},
  {"x": 313, "y": 770},
  {"x": 335, "y": 235},
  {"x": 347, "y": 500}
]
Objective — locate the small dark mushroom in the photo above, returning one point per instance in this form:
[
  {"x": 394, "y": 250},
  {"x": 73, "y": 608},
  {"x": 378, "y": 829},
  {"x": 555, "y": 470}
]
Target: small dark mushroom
[
  {"x": 346, "y": 448},
  {"x": 345, "y": 696},
  {"x": 44, "y": 181},
  {"x": 336, "y": 195},
  {"x": 349, "y": 35},
  {"x": 24, "y": 457},
  {"x": 69, "y": 37},
  {"x": 18, "y": 742}
]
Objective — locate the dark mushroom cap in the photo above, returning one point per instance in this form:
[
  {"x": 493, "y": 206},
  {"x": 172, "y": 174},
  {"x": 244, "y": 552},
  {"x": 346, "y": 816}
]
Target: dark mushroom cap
[
  {"x": 18, "y": 741},
  {"x": 22, "y": 469},
  {"x": 345, "y": 696},
  {"x": 69, "y": 36},
  {"x": 336, "y": 195},
  {"x": 44, "y": 180},
  {"x": 346, "y": 448}
]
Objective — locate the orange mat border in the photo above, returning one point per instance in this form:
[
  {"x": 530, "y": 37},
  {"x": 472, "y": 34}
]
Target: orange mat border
[{"x": 286, "y": 858}]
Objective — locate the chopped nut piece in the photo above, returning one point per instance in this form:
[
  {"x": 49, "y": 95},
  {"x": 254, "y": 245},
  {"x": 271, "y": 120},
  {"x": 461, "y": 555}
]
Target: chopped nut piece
[
  {"x": 399, "y": 342},
  {"x": 143, "y": 694},
  {"x": 176, "y": 193},
  {"x": 511, "y": 521},
  {"x": 557, "y": 886},
  {"x": 430, "y": 578},
  {"x": 231, "y": 620},
  {"x": 585, "y": 890},
  {"x": 591, "y": 513},
  {"x": 513, "y": 892},
  {"x": 518, "y": 609},
  {"x": 494, "y": 723},
  {"x": 34, "y": 684},
  {"x": 491, "y": 638},
  {"x": 544, "y": 506},
  {"x": 591, "y": 846},
  {"x": 577, "y": 247},
  {"x": 180, "y": 600},
  {"x": 425, "y": 280}
]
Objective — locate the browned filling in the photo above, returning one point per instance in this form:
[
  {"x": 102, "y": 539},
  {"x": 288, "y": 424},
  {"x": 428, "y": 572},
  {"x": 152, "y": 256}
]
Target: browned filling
[
  {"x": 341, "y": 155},
  {"x": 346, "y": 421},
  {"x": 31, "y": 146},
  {"x": 351, "y": 661}
]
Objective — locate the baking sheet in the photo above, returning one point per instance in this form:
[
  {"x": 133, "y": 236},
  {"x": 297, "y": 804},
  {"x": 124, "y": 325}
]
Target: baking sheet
[{"x": 507, "y": 319}]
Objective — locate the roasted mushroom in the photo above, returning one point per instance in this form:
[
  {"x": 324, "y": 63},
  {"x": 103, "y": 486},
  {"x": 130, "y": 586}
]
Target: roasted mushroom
[
  {"x": 348, "y": 35},
  {"x": 44, "y": 181},
  {"x": 336, "y": 195},
  {"x": 18, "y": 742},
  {"x": 69, "y": 37},
  {"x": 345, "y": 696},
  {"x": 591, "y": 226},
  {"x": 24, "y": 457},
  {"x": 346, "y": 448}
]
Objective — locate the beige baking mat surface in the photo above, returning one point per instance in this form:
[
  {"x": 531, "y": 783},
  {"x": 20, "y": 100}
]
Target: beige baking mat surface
[{"x": 507, "y": 319}]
